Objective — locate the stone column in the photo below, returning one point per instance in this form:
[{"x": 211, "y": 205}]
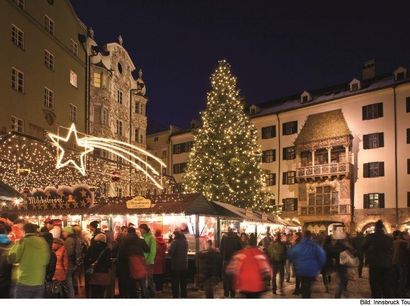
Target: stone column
[{"x": 329, "y": 155}]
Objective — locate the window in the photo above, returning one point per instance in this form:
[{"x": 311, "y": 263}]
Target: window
[
  {"x": 408, "y": 104},
  {"x": 48, "y": 98},
  {"x": 268, "y": 156},
  {"x": 119, "y": 96},
  {"x": 373, "y": 141},
  {"x": 271, "y": 179},
  {"x": 119, "y": 127},
  {"x": 179, "y": 168},
  {"x": 354, "y": 86},
  {"x": 372, "y": 111},
  {"x": 164, "y": 154},
  {"x": 408, "y": 199},
  {"x": 289, "y": 178},
  {"x": 73, "y": 78},
  {"x": 49, "y": 25},
  {"x": 74, "y": 47},
  {"x": 408, "y": 135},
  {"x": 20, "y": 3},
  {"x": 289, "y": 153},
  {"x": 290, "y": 204},
  {"x": 373, "y": 169},
  {"x": 17, "y": 80},
  {"x": 290, "y": 128},
  {"x": 49, "y": 59},
  {"x": 17, "y": 124},
  {"x": 269, "y": 132},
  {"x": 136, "y": 135},
  {"x": 155, "y": 138},
  {"x": 118, "y": 191},
  {"x": 373, "y": 200},
  {"x": 73, "y": 113},
  {"x": 138, "y": 107},
  {"x": 141, "y": 138},
  {"x": 182, "y": 147},
  {"x": 97, "y": 79},
  {"x": 17, "y": 36},
  {"x": 408, "y": 166},
  {"x": 104, "y": 118}
]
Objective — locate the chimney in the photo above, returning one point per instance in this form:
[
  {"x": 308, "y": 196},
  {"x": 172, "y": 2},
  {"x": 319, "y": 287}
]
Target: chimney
[{"x": 369, "y": 70}]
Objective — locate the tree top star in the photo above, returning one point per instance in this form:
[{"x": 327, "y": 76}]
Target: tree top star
[{"x": 72, "y": 132}]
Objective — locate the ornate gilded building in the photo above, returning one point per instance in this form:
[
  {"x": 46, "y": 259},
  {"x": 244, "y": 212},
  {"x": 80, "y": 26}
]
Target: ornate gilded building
[
  {"x": 117, "y": 105},
  {"x": 334, "y": 156}
]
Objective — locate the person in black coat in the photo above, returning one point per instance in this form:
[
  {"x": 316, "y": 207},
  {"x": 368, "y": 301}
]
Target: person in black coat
[
  {"x": 210, "y": 263},
  {"x": 178, "y": 251},
  {"x": 230, "y": 244},
  {"x": 129, "y": 245},
  {"x": 5, "y": 267},
  {"x": 378, "y": 248},
  {"x": 99, "y": 256}
]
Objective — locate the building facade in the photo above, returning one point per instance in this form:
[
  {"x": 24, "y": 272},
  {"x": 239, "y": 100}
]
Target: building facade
[
  {"x": 117, "y": 106},
  {"x": 334, "y": 156},
  {"x": 43, "y": 67}
]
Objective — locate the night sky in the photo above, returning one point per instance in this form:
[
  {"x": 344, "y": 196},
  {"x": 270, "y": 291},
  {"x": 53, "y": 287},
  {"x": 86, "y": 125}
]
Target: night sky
[{"x": 276, "y": 48}]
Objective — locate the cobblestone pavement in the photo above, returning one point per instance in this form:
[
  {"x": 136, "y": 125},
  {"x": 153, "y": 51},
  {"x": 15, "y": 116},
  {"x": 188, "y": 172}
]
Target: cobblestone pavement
[{"x": 356, "y": 289}]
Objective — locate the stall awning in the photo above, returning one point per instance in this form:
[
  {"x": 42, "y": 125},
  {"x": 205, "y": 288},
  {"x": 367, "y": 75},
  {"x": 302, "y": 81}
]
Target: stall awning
[
  {"x": 7, "y": 192},
  {"x": 240, "y": 212},
  {"x": 189, "y": 204}
]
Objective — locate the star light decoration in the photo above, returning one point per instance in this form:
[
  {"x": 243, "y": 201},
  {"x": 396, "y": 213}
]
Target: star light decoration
[
  {"x": 72, "y": 132},
  {"x": 121, "y": 149}
]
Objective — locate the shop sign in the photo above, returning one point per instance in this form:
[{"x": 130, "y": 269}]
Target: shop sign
[{"x": 139, "y": 202}]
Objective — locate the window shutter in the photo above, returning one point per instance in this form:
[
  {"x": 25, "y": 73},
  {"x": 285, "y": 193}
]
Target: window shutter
[
  {"x": 366, "y": 201},
  {"x": 285, "y": 178},
  {"x": 366, "y": 170},
  {"x": 285, "y": 155},
  {"x": 381, "y": 168},
  {"x": 274, "y": 131},
  {"x": 381, "y": 200},
  {"x": 365, "y": 142},
  {"x": 273, "y": 179},
  {"x": 380, "y": 109},
  {"x": 274, "y": 155},
  {"x": 364, "y": 117},
  {"x": 295, "y": 204},
  {"x": 381, "y": 140}
]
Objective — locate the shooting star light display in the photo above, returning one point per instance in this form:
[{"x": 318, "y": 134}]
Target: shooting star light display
[{"x": 125, "y": 151}]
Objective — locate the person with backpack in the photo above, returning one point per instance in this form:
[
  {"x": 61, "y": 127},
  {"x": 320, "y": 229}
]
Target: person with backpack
[
  {"x": 130, "y": 249},
  {"x": 277, "y": 255},
  {"x": 98, "y": 263},
  {"x": 250, "y": 268},
  {"x": 308, "y": 259}
]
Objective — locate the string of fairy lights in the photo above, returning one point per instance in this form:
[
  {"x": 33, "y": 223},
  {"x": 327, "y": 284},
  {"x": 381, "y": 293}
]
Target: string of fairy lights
[
  {"x": 224, "y": 161},
  {"x": 27, "y": 163}
]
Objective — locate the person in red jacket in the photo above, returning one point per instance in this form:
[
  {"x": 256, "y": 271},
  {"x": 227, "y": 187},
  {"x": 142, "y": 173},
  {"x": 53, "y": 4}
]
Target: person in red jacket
[
  {"x": 250, "y": 269},
  {"x": 159, "y": 263},
  {"x": 60, "y": 274}
]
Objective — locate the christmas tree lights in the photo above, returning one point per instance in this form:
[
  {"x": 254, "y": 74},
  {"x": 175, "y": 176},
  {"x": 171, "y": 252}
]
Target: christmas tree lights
[{"x": 224, "y": 162}]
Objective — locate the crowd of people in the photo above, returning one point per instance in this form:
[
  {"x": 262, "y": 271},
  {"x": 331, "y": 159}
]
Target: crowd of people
[{"x": 52, "y": 261}]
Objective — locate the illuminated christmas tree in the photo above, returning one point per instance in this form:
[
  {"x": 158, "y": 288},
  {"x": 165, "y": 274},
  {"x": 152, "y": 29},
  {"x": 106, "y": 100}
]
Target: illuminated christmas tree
[{"x": 224, "y": 162}]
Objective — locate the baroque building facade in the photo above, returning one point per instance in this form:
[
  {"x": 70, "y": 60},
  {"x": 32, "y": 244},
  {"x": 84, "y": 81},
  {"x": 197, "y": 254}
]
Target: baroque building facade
[
  {"x": 333, "y": 156},
  {"x": 117, "y": 106}
]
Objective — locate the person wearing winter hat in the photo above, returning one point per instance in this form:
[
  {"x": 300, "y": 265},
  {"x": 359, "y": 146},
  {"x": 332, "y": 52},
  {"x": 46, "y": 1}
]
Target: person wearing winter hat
[
  {"x": 98, "y": 256},
  {"x": 149, "y": 257},
  {"x": 94, "y": 229}
]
